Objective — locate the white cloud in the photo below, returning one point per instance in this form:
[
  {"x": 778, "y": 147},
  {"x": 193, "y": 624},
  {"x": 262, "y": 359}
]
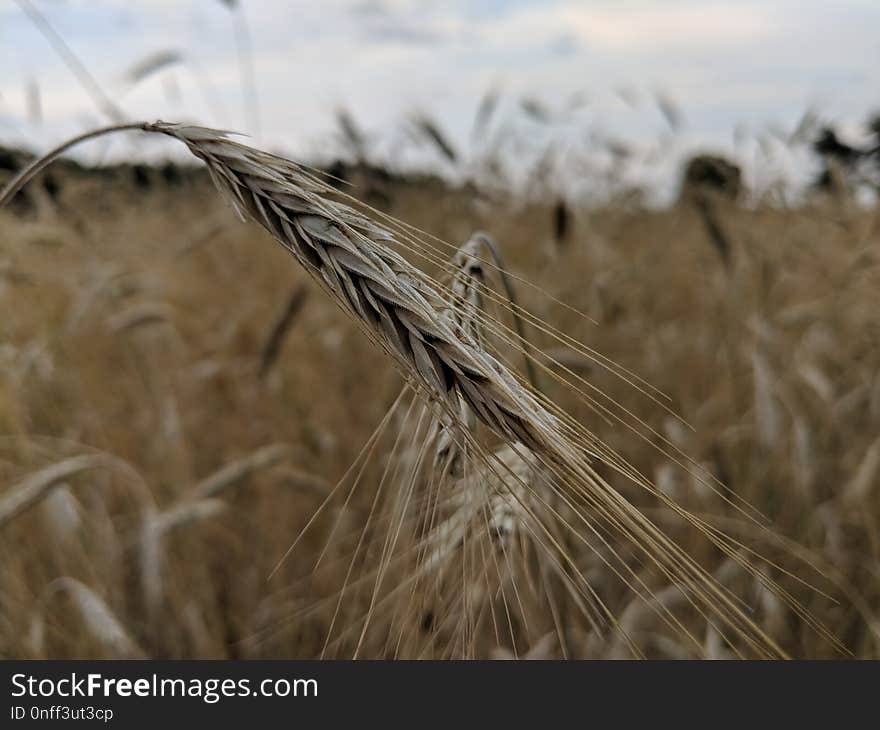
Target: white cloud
[
  {"x": 627, "y": 27},
  {"x": 723, "y": 60}
]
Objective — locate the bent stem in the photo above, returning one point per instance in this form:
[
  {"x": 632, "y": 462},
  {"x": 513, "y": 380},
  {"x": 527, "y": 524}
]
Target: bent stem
[
  {"x": 28, "y": 173},
  {"x": 506, "y": 281}
]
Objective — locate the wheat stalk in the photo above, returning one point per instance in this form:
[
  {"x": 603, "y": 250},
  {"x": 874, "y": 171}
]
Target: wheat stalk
[
  {"x": 35, "y": 487},
  {"x": 96, "y": 616},
  {"x": 503, "y": 498},
  {"x": 237, "y": 471},
  {"x": 200, "y": 503},
  {"x": 401, "y": 310},
  {"x": 62, "y": 514}
]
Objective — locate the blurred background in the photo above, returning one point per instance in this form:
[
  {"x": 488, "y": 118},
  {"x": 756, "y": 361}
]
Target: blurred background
[
  {"x": 656, "y": 79},
  {"x": 178, "y": 400}
]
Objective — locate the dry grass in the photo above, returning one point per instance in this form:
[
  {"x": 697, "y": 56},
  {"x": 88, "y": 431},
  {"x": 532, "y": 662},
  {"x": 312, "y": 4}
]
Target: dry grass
[{"x": 127, "y": 349}]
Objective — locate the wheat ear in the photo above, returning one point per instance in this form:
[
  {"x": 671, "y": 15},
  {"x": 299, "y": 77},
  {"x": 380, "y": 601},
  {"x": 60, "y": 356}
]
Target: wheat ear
[{"x": 400, "y": 308}]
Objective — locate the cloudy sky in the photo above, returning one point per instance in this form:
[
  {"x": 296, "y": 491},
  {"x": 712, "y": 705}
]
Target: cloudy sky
[{"x": 733, "y": 68}]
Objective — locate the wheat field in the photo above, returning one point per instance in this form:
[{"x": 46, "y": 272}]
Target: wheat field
[{"x": 203, "y": 456}]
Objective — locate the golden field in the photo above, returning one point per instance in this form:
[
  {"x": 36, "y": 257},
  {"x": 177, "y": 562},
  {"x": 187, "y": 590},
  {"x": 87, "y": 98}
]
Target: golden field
[{"x": 133, "y": 338}]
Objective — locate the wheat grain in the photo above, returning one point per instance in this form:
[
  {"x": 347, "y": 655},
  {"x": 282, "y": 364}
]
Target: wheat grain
[
  {"x": 186, "y": 514},
  {"x": 35, "y": 487},
  {"x": 858, "y": 489},
  {"x": 151, "y": 64},
  {"x": 236, "y": 472},
  {"x": 137, "y": 316},
  {"x": 62, "y": 513},
  {"x": 96, "y": 616}
]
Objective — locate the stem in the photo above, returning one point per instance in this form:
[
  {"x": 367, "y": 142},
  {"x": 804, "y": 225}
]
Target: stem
[
  {"x": 248, "y": 76},
  {"x": 509, "y": 291},
  {"x": 26, "y": 175},
  {"x": 92, "y": 87}
]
